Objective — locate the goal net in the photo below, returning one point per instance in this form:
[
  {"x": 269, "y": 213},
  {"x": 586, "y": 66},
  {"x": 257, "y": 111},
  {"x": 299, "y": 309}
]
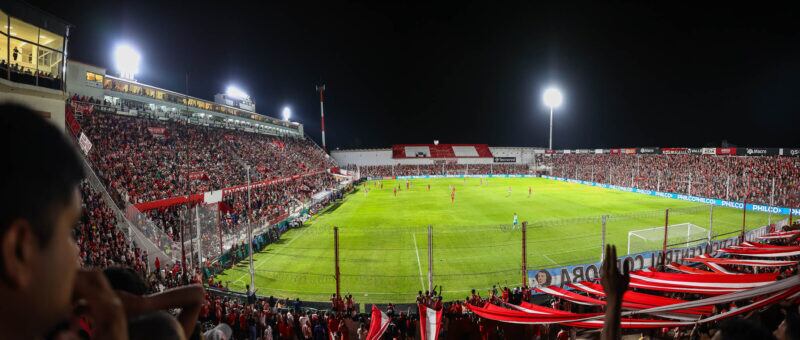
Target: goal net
[{"x": 678, "y": 235}]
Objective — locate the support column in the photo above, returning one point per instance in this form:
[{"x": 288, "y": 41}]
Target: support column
[
  {"x": 603, "y": 238},
  {"x": 336, "y": 261},
  {"x": 666, "y": 234},
  {"x": 430, "y": 257},
  {"x": 524, "y": 253}
]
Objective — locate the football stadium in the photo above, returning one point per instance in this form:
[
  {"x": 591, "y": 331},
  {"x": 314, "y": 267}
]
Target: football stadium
[{"x": 140, "y": 206}]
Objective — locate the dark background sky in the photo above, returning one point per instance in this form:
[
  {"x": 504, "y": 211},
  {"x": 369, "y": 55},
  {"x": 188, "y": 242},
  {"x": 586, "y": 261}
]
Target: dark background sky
[{"x": 472, "y": 72}]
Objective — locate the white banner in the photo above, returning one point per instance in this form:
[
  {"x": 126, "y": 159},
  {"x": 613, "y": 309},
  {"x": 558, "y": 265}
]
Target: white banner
[{"x": 84, "y": 143}]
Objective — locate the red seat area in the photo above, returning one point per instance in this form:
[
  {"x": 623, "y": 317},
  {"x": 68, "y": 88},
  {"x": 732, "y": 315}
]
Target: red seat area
[{"x": 442, "y": 151}]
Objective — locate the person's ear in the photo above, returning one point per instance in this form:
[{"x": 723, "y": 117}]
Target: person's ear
[{"x": 17, "y": 247}]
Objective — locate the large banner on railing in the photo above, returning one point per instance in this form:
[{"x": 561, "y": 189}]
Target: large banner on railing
[
  {"x": 690, "y": 198},
  {"x": 560, "y": 276},
  {"x": 167, "y": 202}
]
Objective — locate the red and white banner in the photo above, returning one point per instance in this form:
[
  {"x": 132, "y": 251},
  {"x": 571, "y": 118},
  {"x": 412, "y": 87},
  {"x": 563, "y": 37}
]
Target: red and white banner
[
  {"x": 430, "y": 322},
  {"x": 72, "y": 123},
  {"x": 378, "y": 324},
  {"x": 763, "y": 252},
  {"x": 157, "y": 131},
  {"x": 197, "y": 175},
  {"x": 528, "y": 314},
  {"x": 84, "y": 143},
  {"x": 82, "y": 108},
  {"x": 743, "y": 281},
  {"x": 779, "y": 235},
  {"x": 726, "y": 151},
  {"x": 688, "y": 270},
  {"x": 742, "y": 262}
]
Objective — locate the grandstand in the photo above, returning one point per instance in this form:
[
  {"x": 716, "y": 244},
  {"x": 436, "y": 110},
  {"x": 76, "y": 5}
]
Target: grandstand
[{"x": 186, "y": 192}]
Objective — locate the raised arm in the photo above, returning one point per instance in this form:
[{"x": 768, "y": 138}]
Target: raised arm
[{"x": 615, "y": 283}]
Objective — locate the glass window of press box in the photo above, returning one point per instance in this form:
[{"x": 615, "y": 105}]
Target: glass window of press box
[{"x": 29, "y": 54}]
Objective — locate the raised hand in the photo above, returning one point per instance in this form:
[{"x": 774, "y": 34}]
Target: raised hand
[
  {"x": 615, "y": 281},
  {"x": 102, "y": 304}
]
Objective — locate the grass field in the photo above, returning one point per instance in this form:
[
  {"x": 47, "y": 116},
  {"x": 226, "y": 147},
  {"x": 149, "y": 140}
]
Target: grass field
[{"x": 383, "y": 238}]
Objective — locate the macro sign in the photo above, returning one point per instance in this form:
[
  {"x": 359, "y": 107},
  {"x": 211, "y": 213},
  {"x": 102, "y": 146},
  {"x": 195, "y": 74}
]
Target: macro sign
[{"x": 505, "y": 159}]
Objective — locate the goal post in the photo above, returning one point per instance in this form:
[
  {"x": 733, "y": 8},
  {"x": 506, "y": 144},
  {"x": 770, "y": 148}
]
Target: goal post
[{"x": 650, "y": 239}]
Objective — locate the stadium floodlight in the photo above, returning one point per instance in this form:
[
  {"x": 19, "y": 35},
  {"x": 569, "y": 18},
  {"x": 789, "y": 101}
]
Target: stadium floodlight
[
  {"x": 553, "y": 99},
  {"x": 287, "y": 113},
  {"x": 127, "y": 60},
  {"x": 236, "y": 92}
]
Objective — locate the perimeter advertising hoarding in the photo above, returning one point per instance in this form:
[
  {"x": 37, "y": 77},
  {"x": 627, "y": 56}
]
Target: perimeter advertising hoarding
[
  {"x": 675, "y": 151},
  {"x": 649, "y": 151},
  {"x": 726, "y": 151},
  {"x": 505, "y": 159},
  {"x": 689, "y": 198},
  {"x": 757, "y": 151},
  {"x": 790, "y": 152}
]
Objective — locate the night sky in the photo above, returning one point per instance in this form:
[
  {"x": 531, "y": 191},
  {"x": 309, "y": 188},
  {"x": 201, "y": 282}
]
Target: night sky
[{"x": 633, "y": 74}]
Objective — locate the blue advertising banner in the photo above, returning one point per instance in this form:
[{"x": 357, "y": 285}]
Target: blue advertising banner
[{"x": 682, "y": 197}]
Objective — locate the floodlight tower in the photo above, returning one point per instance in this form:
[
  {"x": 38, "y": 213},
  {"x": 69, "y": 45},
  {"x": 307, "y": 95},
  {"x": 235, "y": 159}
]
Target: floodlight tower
[
  {"x": 552, "y": 98},
  {"x": 287, "y": 113},
  {"x": 127, "y": 61},
  {"x": 321, "y": 90}
]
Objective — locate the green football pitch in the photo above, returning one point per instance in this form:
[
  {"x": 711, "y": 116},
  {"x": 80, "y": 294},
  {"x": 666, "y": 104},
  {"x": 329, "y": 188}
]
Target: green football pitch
[{"x": 383, "y": 238}]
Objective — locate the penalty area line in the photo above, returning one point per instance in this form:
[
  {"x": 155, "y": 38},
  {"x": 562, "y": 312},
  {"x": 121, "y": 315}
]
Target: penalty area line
[
  {"x": 549, "y": 259},
  {"x": 257, "y": 266}
]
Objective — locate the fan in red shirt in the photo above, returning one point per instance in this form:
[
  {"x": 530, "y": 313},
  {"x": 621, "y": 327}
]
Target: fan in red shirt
[
  {"x": 232, "y": 318},
  {"x": 243, "y": 322}
]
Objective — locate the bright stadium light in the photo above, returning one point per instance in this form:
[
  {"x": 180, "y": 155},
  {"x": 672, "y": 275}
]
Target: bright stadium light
[
  {"x": 127, "y": 60},
  {"x": 236, "y": 92},
  {"x": 553, "y": 99},
  {"x": 287, "y": 113}
]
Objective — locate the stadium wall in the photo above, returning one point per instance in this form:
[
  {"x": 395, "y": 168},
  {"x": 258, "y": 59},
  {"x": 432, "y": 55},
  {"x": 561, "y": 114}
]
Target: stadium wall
[{"x": 47, "y": 102}]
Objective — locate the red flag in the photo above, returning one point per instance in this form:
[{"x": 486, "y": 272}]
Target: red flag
[
  {"x": 429, "y": 323},
  {"x": 378, "y": 324}
]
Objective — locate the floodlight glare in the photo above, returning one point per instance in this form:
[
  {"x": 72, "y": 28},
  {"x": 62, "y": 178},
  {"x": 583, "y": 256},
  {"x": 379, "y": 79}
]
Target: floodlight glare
[
  {"x": 287, "y": 113},
  {"x": 236, "y": 92},
  {"x": 127, "y": 60},
  {"x": 552, "y": 97}
]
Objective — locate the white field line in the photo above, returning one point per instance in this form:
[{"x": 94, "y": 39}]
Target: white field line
[
  {"x": 419, "y": 264},
  {"x": 263, "y": 260},
  {"x": 549, "y": 259}
]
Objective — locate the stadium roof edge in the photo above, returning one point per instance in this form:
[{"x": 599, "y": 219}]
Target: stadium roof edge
[{"x": 174, "y": 92}]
